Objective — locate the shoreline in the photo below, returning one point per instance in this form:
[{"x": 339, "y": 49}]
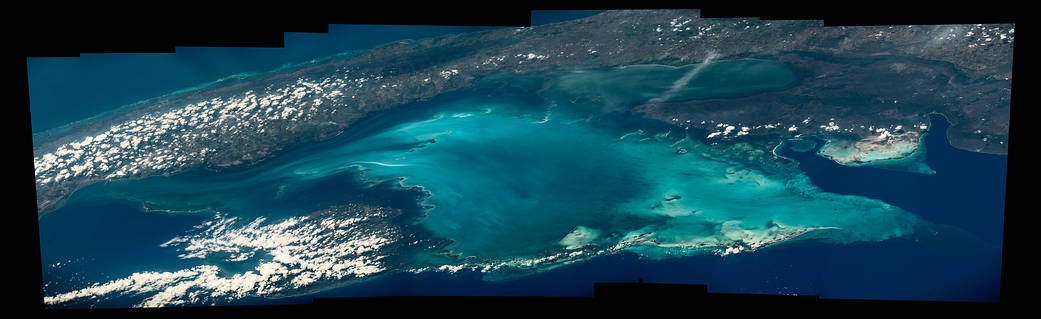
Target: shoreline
[{"x": 56, "y": 134}]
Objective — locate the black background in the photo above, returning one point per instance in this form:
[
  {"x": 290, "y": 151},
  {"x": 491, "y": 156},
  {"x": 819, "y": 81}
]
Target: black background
[{"x": 51, "y": 29}]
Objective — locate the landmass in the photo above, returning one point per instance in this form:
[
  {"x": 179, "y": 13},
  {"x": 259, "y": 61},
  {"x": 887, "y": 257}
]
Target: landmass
[
  {"x": 851, "y": 81},
  {"x": 902, "y": 151}
]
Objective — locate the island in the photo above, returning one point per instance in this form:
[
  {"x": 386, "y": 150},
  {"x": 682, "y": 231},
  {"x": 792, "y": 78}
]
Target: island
[{"x": 242, "y": 121}]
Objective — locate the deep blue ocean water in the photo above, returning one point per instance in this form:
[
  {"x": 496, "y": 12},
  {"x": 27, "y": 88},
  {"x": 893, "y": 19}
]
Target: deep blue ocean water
[
  {"x": 67, "y": 89},
  {"x": 94, "y": 83},
  {"x": 95, "y": 235},
  {"x": 947, "y": 263},
  {"x": 540, "y": 17},
  {"x": 956, "y": 262},
  {"x": 965, "y": 181}
]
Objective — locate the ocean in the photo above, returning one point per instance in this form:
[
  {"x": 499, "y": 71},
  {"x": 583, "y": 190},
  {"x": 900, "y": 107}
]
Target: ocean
[
  {"x": 63, "y": 90},
  {"x": 512, "y": 178},
  {"x": 94, "y": 83}
]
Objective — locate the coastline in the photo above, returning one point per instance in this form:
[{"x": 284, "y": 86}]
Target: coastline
[
  {"x": 60, "y": 134},
  {"x": 548, "y": 259}
]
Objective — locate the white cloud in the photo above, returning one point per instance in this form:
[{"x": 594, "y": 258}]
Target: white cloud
[{"x": 335, "y": 245}]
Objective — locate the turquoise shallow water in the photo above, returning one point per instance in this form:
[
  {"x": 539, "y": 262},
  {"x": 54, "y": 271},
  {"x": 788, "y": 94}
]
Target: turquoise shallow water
[
  {"x": 618, "y": 89},
  {"x": 525, "y": 174},
  {"x": 911, "y": 159},
  {"x": 526, "y": 182},
  {"x": 504, "y": 176},
  {"x": 63, "y": 90}
]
